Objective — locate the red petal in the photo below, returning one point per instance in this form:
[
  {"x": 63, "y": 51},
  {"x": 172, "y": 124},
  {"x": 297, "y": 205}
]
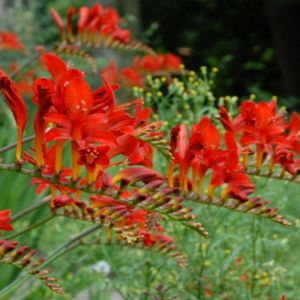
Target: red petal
[
  {"x": 55, "y": 65},
  {"x": 78, "y": 97}
]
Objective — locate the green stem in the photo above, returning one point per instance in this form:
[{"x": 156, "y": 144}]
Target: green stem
[
  {"x": 70, "y": 245},
  {"x": 255, "y": 236},
  {"x": 14, "y": 145},
  {"x": 25, "y": 64},
  {"x": 12, "y": 236},
  {"x": 76, "y": 185},
  {"x": 30, "y": 209},
  {"x": 284, "y": 177}
]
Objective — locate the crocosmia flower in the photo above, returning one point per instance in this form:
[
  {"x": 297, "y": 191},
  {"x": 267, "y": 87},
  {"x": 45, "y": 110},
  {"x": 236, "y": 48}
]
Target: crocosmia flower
[
  {"x": 17, "y": 106},
  {"x": 4, "y": 220}
]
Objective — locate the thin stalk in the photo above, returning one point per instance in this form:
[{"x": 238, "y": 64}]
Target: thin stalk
[
  {"x": 35, "y": 225},
  {"x": 30, "y": 209},
  {"x": 14, "y": 145},
  {"x": 273, "y": 176},
  {"x": 255, "y": 236},
  {"x": 65, "y": 248},
  {"x": 25, "y": 64},
  {"x": 51, "y": 178}
]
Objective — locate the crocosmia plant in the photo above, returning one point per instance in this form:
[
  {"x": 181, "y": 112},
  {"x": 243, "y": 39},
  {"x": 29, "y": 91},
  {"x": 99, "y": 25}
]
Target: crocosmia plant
[{"x": 135, "y": 173}]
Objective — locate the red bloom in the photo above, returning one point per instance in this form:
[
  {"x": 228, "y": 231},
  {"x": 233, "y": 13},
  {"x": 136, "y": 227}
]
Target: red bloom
[
  {"x": 149, "y": 62},
  {"x": 150, "y": 239},
  {"x": 260, "y": 125},
  {"x": 25, "y": 82},
  {"x": 294, "y": 133},
  {"x": 92, "y": 155},
  {"x": 230, "y": 171},
  {"x": 4, "y": 220},
  {"x": 59, "y": 23},
  {"x": 93, "y": 23},
  {"x": 16, "y": 105},
  {"x": 135, "y": 74},
  {"x": 43, "y": 92},
  {"x": 203, "y": 153},
  {"x": 204, "y": 149},
  {"x": 157, "y": 63},
  {"x": 96, "y": 126},
  {"x": 285, "y": 157},
  {"x": 132, "y": 77},
  {"x": 172, "y": 62},
  {"x": 10, "y": 41},
  {"x": 110, "y": 72}
]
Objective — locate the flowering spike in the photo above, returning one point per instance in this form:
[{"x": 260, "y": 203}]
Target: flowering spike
[
  {"x": 22, "y": 257},
  {"x": 98, "y": 27}
]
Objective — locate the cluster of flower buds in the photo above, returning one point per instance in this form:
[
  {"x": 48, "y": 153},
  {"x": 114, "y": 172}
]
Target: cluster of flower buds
[
  {"x": 10, "y": 41},
  {"x": 149, "y": 64},
  {"x": 23, "y": 258},
  {"x": 135, "y": 200},
  {"x": 142, "y": 239}
]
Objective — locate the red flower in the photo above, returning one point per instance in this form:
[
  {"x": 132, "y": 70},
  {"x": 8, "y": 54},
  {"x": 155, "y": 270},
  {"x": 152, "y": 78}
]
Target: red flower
[
  {"x": 25, "y": 82},
  {"x": 4, "y": 220},
  {"x": 93, "y": 23},
  {"x": 16, "y": 105},
  {"x": 230, "y": 171},
  {"x": 132, "y": 77},
  {"x": 172, "y": 62},
  {"x": 10, "y": 40},
  {"x": 59, "y": 23},
  {"x": 149, "y": 62},
  {"x": 201, "y": 152},
  {"x": 260, "y": 125},
  {"x": 285, "y": 153},
  {"x": 110, "y": 72},
  {"x": 135, "y": 74},
  {"x": 43, "y": 92},
  {"x": 96, "y": 126},
  {"x": 157, "y": 63},
  {"x": 294, "y": 133},
  {"x": 94, "y": 158},
  {"x": 178, "y": 149}
]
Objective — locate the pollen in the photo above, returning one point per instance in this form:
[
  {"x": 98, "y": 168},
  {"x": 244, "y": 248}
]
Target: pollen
[{"x": 66, "y": 84}]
